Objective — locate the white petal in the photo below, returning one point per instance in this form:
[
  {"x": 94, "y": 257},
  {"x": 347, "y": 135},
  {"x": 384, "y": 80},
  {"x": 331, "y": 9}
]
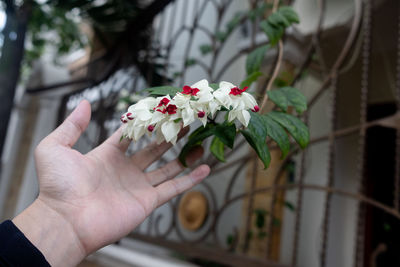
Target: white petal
[
  {"x": 159, "y": 136},
  {"x": 214, "y": 106},
  {"x": 144, "y": 114},
  {"x": 200, "y": 84},
  {"x": 173, "y": 141},
  {"x": 203, "y": 120},
  {"x": 222, "y": 95},
  {"x": 170, "y": 130},
  {"x": 232, "y": 115},
  {"x": 244, "y": 117},
  {"x": 226, "y": 84},
  {"x": 138, "y": 132},
  {"x": 248, "y": 100},
  {"x": 205, "y": 97},
  {"x": 147, "y": 103},
  {"x": 157, "y": 117},
  {"x": 181, "y": 100},
  {"x": 187, "y": 116}
]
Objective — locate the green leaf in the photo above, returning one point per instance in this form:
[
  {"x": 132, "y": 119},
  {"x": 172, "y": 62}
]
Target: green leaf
[
  {"x": 229, "y": 239},
  {"x": 258, "y": 11},
  {"x": 295, "y": 98},
  {"x": 217, "y": 149},
  {"x": 260, "y": 220},
  {"x": 200, "y": 130},
  {"x": 289, "y": 14},
  {"x": 279, "y": 98},
  {"x": 250, "y": 79},
  {"x": 226, "y": 132},
  {"x": 289, "y": 205},
  {"x": 263, "y": 212},
  {"x": 221, "y": 36},
  {"x": 293, "y": 125},
  {"x": 196, "y": 138},
  {"x": 288, "y": 96},
  {"x": 277, "y": 19},
  {"x": 205, "y": 49},
  {"x": 276, "y": 132},
  {"x": 274, "y": 33},
  {"x": 190, "y": 62},
  {"x": 255, "y": 59},
  {"x": 255, "y": 135},
  {"x": 214, "y": 86},
  {"x": 163, "y": 90},
  {"x": 234, "y": 22},
  {"x": 274, "y": 26},
  {"x": 177, "y": 74}
]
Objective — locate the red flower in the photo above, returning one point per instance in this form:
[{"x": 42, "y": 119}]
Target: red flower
[
  {"x": 237, "y": 90},
  {"x": 171, "y": 109},
  {"x": 123, "y": 119},
  {"x": 150, "y": 128},
  {"x": 163, "y": 102},
  {"x": 201, "y": 114},
  {"x": 129, "y": 116},
  {"x": 187, "y": 90},
  {"x": 255, "y": 109}
]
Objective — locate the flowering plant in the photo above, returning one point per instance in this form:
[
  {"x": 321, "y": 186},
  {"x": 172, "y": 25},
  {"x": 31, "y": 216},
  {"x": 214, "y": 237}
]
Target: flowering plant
[{"x": 169, "y": 109}]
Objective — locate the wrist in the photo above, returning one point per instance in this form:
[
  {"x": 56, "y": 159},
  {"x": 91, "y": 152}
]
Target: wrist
[{"x": 51, "y": 233}]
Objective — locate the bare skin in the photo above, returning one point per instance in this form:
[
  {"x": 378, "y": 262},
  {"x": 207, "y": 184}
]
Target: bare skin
[{"x": 89, "y": 201}]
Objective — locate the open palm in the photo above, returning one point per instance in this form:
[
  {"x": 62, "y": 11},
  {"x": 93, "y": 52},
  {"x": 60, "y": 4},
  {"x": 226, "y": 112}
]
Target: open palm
[{"x": 105, "y": 194}]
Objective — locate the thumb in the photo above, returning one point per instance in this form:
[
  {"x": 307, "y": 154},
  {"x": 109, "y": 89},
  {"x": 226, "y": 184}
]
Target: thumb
[{"x": 74, "y": 125}]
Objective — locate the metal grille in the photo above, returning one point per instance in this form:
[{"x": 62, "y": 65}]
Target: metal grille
[{"x": 179, "y": 27}]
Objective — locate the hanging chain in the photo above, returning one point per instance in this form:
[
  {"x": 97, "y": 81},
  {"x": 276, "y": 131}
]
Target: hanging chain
[
  {"x": 299, "y": 204},
  {"x": 331, "y": 162},
  {"x": 397, "y": 159},
  {"x": 366, "y": 52}
]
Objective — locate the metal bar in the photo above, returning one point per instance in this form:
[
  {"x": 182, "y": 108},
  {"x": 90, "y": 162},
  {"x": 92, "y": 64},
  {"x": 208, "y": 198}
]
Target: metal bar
[
  {"x": 343, "y": 54},
  {"x": 397, "y": 160},
  {"x": 250, "y": 206},
  {"x": 213, "y": 254},
  {"x": 359, "y": 239},
  {"x": 331, "y": 176}
]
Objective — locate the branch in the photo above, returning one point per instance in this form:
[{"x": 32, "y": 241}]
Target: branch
[
  {"x": 278, "y": 63},
  {"x": 275, "y": 74},
  {"x": 33, "y": 90}
]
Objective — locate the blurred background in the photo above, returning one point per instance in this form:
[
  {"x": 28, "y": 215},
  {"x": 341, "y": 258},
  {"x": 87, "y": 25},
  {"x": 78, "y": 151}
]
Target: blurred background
[{"x": 336, "y": 203}]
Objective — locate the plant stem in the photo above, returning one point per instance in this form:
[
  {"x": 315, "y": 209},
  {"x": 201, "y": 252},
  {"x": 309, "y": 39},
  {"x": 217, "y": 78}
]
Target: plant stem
[
  {"x": 275, "y": 73},
  {"x": 278, "y": 63}
]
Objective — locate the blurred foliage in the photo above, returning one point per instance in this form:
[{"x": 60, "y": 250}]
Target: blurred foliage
[{"x": 56, "y": 24}]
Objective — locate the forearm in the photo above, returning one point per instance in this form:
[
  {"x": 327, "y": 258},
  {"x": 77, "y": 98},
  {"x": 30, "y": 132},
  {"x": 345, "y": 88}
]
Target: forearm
[{"x": 51, "y": 234}]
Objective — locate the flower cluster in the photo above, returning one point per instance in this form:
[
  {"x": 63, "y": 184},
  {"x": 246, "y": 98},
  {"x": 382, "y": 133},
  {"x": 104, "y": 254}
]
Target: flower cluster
[{"x": 165, "y": 115}]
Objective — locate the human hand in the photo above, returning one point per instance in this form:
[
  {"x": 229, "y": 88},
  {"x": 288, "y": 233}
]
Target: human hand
[{"x": 88, "y": 201}]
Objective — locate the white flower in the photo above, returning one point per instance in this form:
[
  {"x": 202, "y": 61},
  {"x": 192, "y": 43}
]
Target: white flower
[
  {"x": 143, "y": 110},
  {"x": 237, "y": 101},
  {"x": 164, "y": 116},
  {"x": 153, "y": 114},
  {"x": 194, "y": 102}
]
